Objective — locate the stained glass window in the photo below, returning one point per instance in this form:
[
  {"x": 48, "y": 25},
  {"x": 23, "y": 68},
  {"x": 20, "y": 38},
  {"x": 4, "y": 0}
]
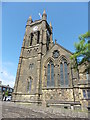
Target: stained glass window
[
  {"x": 84, "y": 93},
  {"x": 64, "y": 73},
  {"x": 61, "y": 74},
  {"x": 88, "y": 94},
  {"x": 50, "y": 74}
]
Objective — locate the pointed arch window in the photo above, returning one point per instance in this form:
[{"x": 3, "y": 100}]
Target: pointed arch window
[
  {"x": 61, "y": 74},
  {"x": 64, "y": 73},
  {"x": 50, "y": 74},
  {"x": 29, "y": 86}
]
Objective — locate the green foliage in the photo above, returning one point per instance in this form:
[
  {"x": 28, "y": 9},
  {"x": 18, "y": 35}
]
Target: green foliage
[
  {"x": 86, "y": 35},
  {"x": 6, "y": 93},
  {"x": 82, "y": 53}
]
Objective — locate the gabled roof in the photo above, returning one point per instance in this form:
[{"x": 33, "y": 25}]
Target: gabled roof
[
  {"x": 59, "y": 46},
  {"x": 64, "y": 48}
]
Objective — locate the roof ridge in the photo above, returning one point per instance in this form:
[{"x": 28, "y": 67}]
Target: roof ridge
[{"x": 64, "y": 48}]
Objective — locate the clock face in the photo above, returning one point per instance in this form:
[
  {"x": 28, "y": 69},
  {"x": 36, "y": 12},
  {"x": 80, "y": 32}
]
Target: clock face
[{"x": 35, "y": 28}]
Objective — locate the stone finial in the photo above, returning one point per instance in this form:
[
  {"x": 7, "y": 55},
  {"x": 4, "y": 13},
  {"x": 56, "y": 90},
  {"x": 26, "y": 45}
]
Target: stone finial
[
  {"x": 30, "y": 17},
  {"x": 50, "y": 24},
  {"x": 29, "y": 21},
  {"x": 44, "y": 16},
  {"x": 44, "y": 12}
]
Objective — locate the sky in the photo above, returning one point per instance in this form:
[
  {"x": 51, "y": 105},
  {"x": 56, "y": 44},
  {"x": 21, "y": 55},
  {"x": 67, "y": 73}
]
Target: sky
[{"x": 69, "y": 20}]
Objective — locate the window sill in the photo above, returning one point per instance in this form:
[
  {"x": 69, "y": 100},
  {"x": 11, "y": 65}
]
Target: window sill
[
  {"x": 44, "y": 88},
  {"x": 31, "y": 46},
  {"x": 86, "y": 99}
]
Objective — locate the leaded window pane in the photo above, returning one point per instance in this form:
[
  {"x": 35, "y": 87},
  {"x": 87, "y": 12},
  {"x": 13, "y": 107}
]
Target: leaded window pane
[
  {"x": 84, "y": 93},
  {"x": 30, "y": 84},
  {"x": 88, "y": 93},
  {"x": 48, "y": 75},
  {"x": 52, "y": 75},
  {"x": 61, "y": 74},
  {"x": 66, "y": 73}
]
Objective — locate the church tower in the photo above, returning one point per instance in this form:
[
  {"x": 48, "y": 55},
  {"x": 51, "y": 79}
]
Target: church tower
[
  {"x": 44, "y": 74},
  {"x": 37, "y": 41}
]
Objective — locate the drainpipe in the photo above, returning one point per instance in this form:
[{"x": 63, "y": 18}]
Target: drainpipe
[{"x": 72, "y": 84}]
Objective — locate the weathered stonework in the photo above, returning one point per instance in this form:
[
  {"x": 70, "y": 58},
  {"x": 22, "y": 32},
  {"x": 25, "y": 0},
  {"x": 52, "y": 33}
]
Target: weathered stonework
[
  {"x": 44, "y": 73},
  {"x": 58, "y": 94}
]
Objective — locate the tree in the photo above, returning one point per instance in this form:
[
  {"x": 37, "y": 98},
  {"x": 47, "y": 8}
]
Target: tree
[
  {"x": 6, "y": 93},
  {"x": 82, "y": 52}
]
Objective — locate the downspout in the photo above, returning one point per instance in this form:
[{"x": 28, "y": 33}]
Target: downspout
[{"x": 72, "y": 85}]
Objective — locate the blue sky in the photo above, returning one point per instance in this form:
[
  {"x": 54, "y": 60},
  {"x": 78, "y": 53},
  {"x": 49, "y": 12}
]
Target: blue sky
[{"x": 69, "y": 20}]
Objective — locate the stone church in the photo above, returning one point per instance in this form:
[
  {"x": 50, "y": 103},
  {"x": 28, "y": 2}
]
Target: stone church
[{"x": 44, "y": 74}]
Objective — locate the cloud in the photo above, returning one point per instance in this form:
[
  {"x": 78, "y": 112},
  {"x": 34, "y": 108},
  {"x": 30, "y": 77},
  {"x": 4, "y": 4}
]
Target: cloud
[
  {"x": 6, "y": 74},
  {"x": 7, "y": 78}
]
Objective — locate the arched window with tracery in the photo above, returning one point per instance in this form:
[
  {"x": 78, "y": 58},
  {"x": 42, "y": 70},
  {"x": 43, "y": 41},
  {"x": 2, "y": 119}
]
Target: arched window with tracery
[
  {"x": 29, "y": 85},
  {"x": 64, "y": 72},
  {"x": 61, "y": 74},
  {"x": 50, "y": 74}
]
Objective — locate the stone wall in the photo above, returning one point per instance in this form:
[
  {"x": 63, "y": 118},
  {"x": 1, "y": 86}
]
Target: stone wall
[
  {"x": 25, "y": 98},
  {"x": 57, "y": 94}
]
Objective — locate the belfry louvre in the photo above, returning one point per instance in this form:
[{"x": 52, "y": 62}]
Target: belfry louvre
[{"x": 44, "y": 73}]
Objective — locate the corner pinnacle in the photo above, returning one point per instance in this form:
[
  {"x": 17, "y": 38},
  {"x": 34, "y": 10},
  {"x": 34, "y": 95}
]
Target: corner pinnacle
[
  {"x": 50, "y": 24},
  {"x": 30, "y": 18},
  {"x": 44, "y": 12}
]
